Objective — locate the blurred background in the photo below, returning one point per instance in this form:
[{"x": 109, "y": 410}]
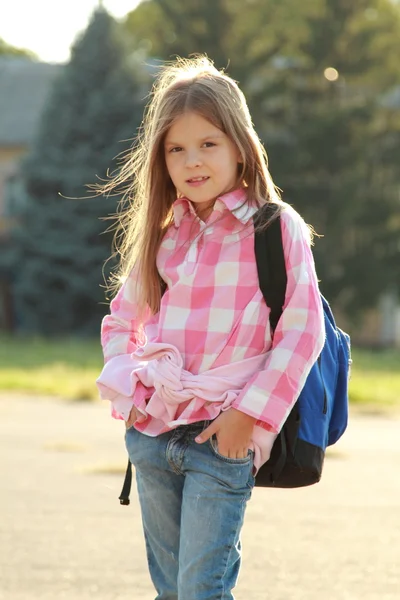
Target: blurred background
[{"x": 322, "y": 80}]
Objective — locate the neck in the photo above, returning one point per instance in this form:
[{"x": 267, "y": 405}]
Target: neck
[{"x": 203, "y": 211}]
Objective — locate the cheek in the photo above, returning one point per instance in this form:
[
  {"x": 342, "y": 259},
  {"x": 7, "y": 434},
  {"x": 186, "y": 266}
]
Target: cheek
[
  {"x": 171, "y": 167},
  {"x": 229, "y": 165},
  {"x": 174, "y": 161}
]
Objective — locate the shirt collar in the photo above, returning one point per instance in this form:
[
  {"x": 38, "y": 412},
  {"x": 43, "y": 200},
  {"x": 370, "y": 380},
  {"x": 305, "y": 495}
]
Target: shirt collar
[{"x": 234, "y": 201}]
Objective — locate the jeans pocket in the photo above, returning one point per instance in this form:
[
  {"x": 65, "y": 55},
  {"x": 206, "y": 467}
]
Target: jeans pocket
[{"x": 239, "y": 461}]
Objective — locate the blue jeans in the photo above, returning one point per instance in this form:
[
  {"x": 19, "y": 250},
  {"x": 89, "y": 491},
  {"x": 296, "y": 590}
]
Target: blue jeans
[{"x": 193, "y": 501}]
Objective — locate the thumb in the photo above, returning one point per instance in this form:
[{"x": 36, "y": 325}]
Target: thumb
[{"x": 207, "y": 433}]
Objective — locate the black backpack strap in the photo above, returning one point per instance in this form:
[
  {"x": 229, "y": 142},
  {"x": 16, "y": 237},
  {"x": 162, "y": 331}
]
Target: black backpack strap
[
  {"x": 272, "y": 277},
  {"x": 271, "y": 269},
  {"x": 126, "y": 488},
  {"x": 270, "y": 260}
]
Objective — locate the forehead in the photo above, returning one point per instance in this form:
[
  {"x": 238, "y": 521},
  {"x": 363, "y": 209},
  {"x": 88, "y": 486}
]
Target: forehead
[{"x": 193, "y": 125}]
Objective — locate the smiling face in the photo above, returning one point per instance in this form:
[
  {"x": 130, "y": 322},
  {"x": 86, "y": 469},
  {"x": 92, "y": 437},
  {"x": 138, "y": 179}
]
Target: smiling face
[{"x": 201, "y": 161}]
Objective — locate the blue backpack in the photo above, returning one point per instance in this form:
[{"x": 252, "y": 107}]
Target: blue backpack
[{"x": 319, "y": 417}]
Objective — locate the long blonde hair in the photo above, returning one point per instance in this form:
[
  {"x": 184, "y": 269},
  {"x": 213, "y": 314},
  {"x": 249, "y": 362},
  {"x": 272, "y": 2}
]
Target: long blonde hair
[{"x": 185, "y": 85}]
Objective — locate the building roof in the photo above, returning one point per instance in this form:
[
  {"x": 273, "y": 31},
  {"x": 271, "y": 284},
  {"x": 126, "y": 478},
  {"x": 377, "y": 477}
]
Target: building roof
[{"x": 24, "y": 86}]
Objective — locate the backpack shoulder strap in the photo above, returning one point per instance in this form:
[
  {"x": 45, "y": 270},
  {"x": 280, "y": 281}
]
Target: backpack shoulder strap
[{"x": 270, "y": 260}]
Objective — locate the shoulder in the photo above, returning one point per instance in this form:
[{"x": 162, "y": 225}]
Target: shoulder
[{"x": 294, "y": 228}]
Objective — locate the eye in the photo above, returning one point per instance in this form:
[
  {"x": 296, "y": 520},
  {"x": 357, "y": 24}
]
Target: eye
[
  {"x": 209, "y": 144},
  {"x": 176, "y": 149}
]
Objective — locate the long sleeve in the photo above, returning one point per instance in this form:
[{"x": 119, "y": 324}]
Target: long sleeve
[
  {"x": 299, "y": 336},
  {"x": 122, "y": 333}
]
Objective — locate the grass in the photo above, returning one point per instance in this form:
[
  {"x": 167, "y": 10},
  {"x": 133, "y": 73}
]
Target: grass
[
  {"x": 375, "y": 379},
  {"x": 69, "y": 367},
  {"x": 66, "y": 367}
]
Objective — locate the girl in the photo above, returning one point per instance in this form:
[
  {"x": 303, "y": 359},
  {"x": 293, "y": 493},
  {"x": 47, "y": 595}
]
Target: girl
[{"x": 190, "y": 363}]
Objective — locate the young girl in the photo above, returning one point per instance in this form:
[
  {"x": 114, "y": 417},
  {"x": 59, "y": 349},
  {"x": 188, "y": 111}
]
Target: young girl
[{"x": 190, "y": 362}]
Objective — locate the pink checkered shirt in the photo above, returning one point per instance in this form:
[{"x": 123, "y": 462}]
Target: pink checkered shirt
[{"x": 210, "y": 346}]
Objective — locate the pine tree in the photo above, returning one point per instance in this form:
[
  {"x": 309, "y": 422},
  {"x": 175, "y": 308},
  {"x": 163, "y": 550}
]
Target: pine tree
[{"x": 92, "y": 115}]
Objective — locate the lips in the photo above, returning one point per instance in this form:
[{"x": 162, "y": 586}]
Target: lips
[{"x": 197, "y": 179}]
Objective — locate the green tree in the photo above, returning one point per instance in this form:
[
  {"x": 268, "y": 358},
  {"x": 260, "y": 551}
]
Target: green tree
[
  {"x": 329, "y": 145},
  {"x": 96, "y": 103},
  {"x": 166, "y": 28},
  {"x": 241, "y": 34}
]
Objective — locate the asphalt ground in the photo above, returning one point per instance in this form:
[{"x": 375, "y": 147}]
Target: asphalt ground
[{"x": 64, "y": 535}]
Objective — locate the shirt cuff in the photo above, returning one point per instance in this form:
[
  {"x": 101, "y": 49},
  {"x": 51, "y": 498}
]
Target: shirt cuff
[
  {"x": 121, "y": 407},
  {"x": 272, "y": 412}
]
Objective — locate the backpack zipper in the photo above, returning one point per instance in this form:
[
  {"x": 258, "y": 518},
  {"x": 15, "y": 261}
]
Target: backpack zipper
[{"x": 325, "y": 408}]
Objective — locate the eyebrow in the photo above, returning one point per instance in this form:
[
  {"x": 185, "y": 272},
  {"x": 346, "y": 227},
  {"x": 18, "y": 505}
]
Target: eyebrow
[{"x": 207, "y": 137}]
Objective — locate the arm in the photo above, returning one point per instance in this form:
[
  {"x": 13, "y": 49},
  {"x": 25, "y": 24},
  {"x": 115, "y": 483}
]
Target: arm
[
  {"x": 298, "y": 339},
  {"x": 121, "y": 334}
]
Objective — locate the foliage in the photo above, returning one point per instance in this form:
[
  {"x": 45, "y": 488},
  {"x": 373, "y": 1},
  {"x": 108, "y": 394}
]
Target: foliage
[
  {"x": 334, "y": 165},
  {"x": 167, "y": 28},
  {"x": 96, "y": 103}
]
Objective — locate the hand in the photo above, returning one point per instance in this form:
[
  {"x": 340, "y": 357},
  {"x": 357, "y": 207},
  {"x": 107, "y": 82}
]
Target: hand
[
  {"x": 134, "y": 415},
  {"x": 233, "y": 429}
]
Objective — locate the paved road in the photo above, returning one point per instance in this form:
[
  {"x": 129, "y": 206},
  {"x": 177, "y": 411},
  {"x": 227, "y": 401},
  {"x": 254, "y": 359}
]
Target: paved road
[{"x": 64, "y": 535}]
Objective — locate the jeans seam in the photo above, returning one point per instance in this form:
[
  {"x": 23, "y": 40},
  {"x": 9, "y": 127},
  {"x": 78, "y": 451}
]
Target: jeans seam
[{"x": 227, "y": 562}]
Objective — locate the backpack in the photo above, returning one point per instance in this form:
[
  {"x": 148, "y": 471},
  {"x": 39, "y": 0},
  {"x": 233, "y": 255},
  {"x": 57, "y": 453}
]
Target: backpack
[{"x": 319, "y": 416}]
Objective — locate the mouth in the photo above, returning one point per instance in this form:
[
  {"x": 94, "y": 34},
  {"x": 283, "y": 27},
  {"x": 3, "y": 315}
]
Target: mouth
[{"x": 197, "y": 180}]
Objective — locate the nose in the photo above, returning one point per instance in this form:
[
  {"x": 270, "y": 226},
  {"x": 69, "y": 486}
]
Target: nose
[{"x": 193, "y": 159}]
